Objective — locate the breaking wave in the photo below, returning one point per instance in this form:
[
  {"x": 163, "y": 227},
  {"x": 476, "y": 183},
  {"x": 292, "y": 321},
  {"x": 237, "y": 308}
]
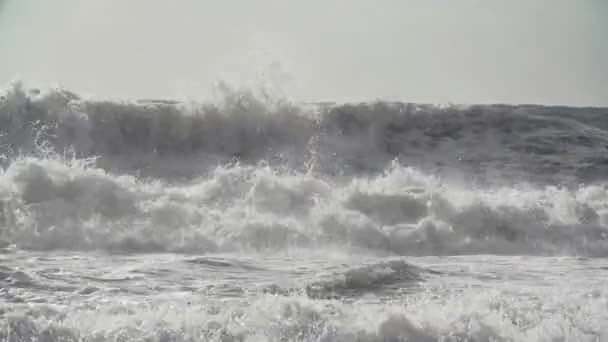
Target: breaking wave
[{"x": 264, "y": 175}]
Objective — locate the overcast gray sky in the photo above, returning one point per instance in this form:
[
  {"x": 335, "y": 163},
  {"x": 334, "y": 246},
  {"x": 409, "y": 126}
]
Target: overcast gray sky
[{"x": 467, "y": 51}]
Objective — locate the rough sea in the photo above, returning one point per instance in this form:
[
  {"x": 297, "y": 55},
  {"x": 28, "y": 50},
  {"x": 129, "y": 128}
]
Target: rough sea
[{"x": 250, "y": 218}]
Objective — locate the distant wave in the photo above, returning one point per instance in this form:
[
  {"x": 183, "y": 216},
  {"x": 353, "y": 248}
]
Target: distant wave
[{"x": 249, "y": 175}]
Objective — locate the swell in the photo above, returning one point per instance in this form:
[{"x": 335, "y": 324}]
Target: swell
[{"x": 549, "y": 145}]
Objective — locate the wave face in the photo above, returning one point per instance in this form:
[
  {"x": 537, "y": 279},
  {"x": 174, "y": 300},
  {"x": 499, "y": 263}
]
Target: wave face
[{"x": 253, "y": 174}]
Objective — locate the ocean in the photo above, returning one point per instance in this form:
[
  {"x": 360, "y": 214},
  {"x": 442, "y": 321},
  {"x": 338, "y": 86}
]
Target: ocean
[{"x": 252, "y": 218}]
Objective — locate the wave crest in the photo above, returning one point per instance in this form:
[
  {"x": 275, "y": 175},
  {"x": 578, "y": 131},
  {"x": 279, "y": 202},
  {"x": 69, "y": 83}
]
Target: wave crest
[{"x": 176, "y": 140}]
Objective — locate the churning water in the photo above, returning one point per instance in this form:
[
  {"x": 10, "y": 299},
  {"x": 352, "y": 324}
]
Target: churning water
[{"x": 254, "y": 219}]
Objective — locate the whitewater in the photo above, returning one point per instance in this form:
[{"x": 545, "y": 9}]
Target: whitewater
[{"x": 254, "y": 218}]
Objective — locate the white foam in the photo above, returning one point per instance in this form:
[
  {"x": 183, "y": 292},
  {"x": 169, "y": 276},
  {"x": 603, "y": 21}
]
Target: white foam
[
  {"x": 69, "y": 204},
  {"x": 474, "y": 315}
]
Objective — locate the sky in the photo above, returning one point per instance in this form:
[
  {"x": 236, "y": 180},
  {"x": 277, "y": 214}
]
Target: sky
[{"x": 460, "y": 51}]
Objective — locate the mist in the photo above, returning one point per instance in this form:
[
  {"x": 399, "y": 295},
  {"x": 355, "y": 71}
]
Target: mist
[{"x": 470, "y": 51}]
